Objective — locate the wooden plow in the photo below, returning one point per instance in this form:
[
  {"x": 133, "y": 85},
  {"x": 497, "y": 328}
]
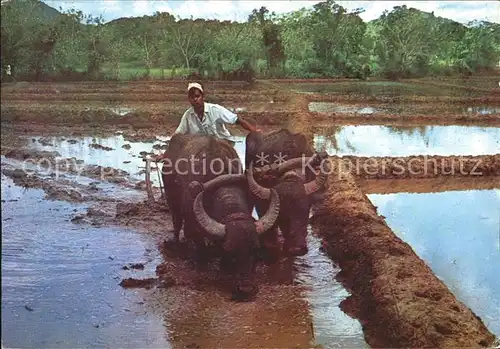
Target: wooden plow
[{"x": 149, "y": 187}]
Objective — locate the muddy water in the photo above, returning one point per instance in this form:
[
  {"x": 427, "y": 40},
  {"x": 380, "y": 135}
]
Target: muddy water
[
  {"x": 374, "y": 140},
  {"x": 130, "y": 160},
  {"x": 324, "y": 296},
  {"x": 61, "y": 280},
  {"x": 457, "y": 235}
]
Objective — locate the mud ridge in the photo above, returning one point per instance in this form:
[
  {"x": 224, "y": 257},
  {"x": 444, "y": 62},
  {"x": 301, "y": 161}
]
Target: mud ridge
[
  {"x": 55, "y": 189},
  {"x": 427, "y": 185},
  {"x": 423, "y": 119},
  {"x": 493, "y": 99},
  {"x": 420, "y": 166}
]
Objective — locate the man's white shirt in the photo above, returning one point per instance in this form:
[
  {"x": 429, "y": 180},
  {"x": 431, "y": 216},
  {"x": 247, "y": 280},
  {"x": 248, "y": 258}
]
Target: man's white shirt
[{"x": 214, "y": 118}]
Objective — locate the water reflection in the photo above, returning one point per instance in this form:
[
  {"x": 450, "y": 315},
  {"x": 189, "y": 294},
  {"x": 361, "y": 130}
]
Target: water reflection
[
  {"x": 374, "y": 140},
  {"x": 327, "y": 107},
  {"x": 483, "y": 110},
  {"x": 332, "y": 327},
  {"x": 60, "y": 280},
  {"x": 456, "y": 234},
  {"x": 128, "y": 160}
]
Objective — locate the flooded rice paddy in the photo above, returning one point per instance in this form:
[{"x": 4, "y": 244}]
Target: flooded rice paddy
[
  {"x": 374, "y": 140},
  {"x": 457, "y": 234}
]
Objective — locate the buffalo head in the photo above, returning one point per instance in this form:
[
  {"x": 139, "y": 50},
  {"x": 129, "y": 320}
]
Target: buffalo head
[
  {"x": 238, "y": 232},
  {"x": 295, "y": 194}
]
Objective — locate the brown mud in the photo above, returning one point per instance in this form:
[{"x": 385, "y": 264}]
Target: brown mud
[
  {"x": 397, "y": 298},
  {"x": 494, "y": 99},
  {"x": 165, "y": 101},
  {"x": 382, "y": 118},
  {"x": 419, "y": 166},
  {"x": 427, "y": 185}
]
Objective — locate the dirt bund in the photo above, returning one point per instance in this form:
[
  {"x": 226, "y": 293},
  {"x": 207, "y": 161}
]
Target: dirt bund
[
  {"x": 494, "y": 98},
  {"x": 420, "y": 166},
  {"x": 136, "y": 118},
  {"x": 416, "y": 119},
  {"x": 397, "y": 298},
  {"x": 427, "y": 185},
  {"x": 462, "y": 87}
]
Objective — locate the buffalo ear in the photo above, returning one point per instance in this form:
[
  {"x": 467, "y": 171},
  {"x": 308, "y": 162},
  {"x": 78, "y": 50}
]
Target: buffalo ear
[{"x": 253, "y": 142}]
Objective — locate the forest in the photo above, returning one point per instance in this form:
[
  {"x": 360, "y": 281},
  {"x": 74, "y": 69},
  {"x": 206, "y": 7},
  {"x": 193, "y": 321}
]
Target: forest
[{"x": 40, "y": 43}]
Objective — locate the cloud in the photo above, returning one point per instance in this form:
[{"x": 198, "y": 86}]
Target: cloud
[{"x": 461, "y": 11}]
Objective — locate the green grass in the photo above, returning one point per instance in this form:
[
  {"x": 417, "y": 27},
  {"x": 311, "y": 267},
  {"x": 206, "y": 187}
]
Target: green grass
[{"x": 134, "y": 71}]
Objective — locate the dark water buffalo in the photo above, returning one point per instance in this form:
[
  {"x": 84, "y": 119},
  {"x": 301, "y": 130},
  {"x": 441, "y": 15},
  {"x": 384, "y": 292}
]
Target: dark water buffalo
[
  {"x": 208, "y": 194},
  {"x": 293, "y": 176}
]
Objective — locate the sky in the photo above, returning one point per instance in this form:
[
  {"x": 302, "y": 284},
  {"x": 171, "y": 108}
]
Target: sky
[{"x": 238, "y": 10}]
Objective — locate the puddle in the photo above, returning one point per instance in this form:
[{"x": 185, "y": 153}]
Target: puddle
[
  {"x": 332, "y": 327},
  {"x": 60, "y": 281},
  {"x": 129, "y": 160},
  {"x": 483, "y": 110},
  {"x": 327, "y": 107},
  {"x": 375, "y": 140},
  {"x": 122, "y": 111},
  {"x": 457, "y": 235}
]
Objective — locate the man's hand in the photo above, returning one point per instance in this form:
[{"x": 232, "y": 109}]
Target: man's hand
[{"x": 247, "y": 126}]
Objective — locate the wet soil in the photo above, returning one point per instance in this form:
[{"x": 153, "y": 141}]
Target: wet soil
[
  {"x": 427, "y": 185},
  {"x": 420, "y": 166},
  {"x": 265, "y": 102}
]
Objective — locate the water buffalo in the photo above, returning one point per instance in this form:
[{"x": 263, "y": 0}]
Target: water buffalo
[
  {"x": 208, "y": 193},
  {"x": 295, "y": 181}
]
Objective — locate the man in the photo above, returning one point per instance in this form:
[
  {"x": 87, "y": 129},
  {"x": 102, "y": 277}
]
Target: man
[{"x": 207, "y": 118}]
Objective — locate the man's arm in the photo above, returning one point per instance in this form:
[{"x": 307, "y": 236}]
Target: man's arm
[
  {"x": 231, "y": 118},
  {"x": 246, "y": 125}
]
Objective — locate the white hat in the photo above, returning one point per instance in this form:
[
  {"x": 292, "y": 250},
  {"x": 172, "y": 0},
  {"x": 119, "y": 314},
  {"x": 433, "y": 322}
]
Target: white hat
[{"x": 195, "y": 85}]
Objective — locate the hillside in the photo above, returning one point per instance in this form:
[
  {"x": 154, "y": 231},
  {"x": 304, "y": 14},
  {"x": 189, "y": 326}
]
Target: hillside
[{"x": 33, "y": 8}]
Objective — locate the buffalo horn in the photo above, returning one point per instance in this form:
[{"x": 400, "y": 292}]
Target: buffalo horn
[
  {"x": 294, "y": 163},
  {"x": 316, "y": 184},
  {"x": 210, "y": 225},
  {"x": 256, "y": 189},
  {"x": 268, "y": 220}
]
